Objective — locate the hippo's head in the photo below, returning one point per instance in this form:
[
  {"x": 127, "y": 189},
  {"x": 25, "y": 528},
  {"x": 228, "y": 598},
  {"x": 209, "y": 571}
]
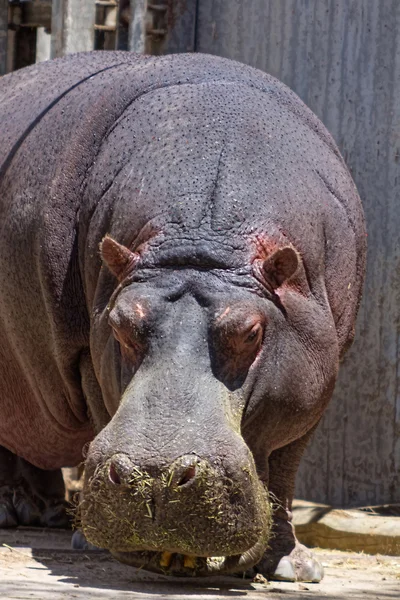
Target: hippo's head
[{"x": 183, "y": 352}]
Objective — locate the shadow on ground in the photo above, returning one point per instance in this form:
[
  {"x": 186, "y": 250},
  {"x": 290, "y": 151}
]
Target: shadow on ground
[{"x": 39, "y": 564}]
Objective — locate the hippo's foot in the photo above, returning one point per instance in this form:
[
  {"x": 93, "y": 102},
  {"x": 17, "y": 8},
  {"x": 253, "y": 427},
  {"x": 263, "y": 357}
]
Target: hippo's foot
[
  {"x": 30, "y": 496},
  {"x": 288, "y": 560},
  {"x": 79, "y": 541},
  {"x": 17, "y": 507},
  {"x": 298, "y": 565}
]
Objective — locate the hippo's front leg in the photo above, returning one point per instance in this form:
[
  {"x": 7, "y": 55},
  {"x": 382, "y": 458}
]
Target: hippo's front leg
[
  {"x": 30, "y": 496},
  {"x": 286, "y": 559}
]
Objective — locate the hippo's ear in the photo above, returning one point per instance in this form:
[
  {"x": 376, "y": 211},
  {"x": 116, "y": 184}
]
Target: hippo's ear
[
  {"x": 281, "y": 265},
  {"x": 119, "y": 259}
]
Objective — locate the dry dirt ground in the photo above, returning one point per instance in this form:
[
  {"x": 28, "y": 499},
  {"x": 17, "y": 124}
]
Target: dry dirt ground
[{"x": 38, "y": 564}]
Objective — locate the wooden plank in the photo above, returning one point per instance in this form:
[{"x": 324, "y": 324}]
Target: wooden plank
[
  {"x": 349, "y": 530},
  {"x": 36, "y": 13},
  {"x": 25, "y": 47},
  {"x": 163, "y": 26},
  {"x": 43, "y": 44},
  {"x": 3, "y": 36},
  {"x": 343, "y": 58},
  {"x": 137, "y": 26},
  {"x": 72, "y": 27},
  {"x": 122, "y": 41},
  {"x": 181, "y": 26}
]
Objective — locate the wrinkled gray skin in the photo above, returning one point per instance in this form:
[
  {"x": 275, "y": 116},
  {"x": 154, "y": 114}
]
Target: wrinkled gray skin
[{"x": 197, "y": 350}]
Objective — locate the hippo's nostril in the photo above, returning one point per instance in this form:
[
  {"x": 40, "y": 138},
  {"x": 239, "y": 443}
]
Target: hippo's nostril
[
  {"x": 188, "y": 475},
  {"x": 113, "y": 475}
]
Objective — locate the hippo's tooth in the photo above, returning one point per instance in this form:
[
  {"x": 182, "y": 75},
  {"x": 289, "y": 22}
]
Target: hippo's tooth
[
  {"x": 165, "y": 559},
  {"x": 189, "y": 562}
]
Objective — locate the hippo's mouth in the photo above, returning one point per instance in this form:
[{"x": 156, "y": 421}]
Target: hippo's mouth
[
  {"x": 175, "y": 564},
  {"x": 206, "y": 526}
]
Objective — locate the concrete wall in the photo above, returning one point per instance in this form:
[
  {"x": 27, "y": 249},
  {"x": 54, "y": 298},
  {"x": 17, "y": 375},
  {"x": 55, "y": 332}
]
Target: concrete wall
[{"x": 343, "y": 59}]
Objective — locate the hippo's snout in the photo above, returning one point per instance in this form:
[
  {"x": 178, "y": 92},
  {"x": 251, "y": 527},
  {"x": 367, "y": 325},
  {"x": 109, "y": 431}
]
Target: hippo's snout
[
  {"x": 171, "y": 473},
  {"x": 195, "y": 507}
]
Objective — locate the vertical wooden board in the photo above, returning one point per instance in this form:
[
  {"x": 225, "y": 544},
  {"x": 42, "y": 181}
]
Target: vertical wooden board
[
  {"x": 72, "y": 28},
  {"x": 176, "y": 17},
  {"x": 43, "y": 44},
  {"x": 3, "y": 36},
  {"x": 343, "y": 59},
  {"x": 235, "y": 29},
  {"x": 122, "y": 41},
  {"x": 25, "y": 47},
  {"x": 137, "y": 26},
  {"x": 181, "y": 25},
  {"x": 57, "y": 28}
]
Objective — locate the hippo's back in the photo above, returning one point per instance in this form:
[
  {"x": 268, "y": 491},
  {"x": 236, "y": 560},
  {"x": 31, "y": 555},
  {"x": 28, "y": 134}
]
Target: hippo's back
[{"x": 72, "y": 131}]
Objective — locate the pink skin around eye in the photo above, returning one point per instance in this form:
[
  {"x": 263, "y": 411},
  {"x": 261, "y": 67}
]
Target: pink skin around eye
[
  {"x": 224, "y": 314},
  {"x": 140, "y": 310}
]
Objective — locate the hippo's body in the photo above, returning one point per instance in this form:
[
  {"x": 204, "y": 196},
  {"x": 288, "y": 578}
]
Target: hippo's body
[{"x": 202, "y": 354}]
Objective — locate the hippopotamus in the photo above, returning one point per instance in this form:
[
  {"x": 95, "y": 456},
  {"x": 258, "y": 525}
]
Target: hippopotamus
[{"x": 182, "y": 254}]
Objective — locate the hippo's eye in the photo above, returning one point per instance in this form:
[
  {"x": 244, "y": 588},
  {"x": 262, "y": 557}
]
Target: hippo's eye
[
  {"x": 255, "y": 334},
  {"x": 235, "y": 346},
  {"x": 126, "y": 344},
  {"x": 117, "y": 335}
]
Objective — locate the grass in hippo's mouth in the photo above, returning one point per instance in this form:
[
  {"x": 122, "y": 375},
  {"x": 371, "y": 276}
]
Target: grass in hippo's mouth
[{"x": 151, "y": 515}]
